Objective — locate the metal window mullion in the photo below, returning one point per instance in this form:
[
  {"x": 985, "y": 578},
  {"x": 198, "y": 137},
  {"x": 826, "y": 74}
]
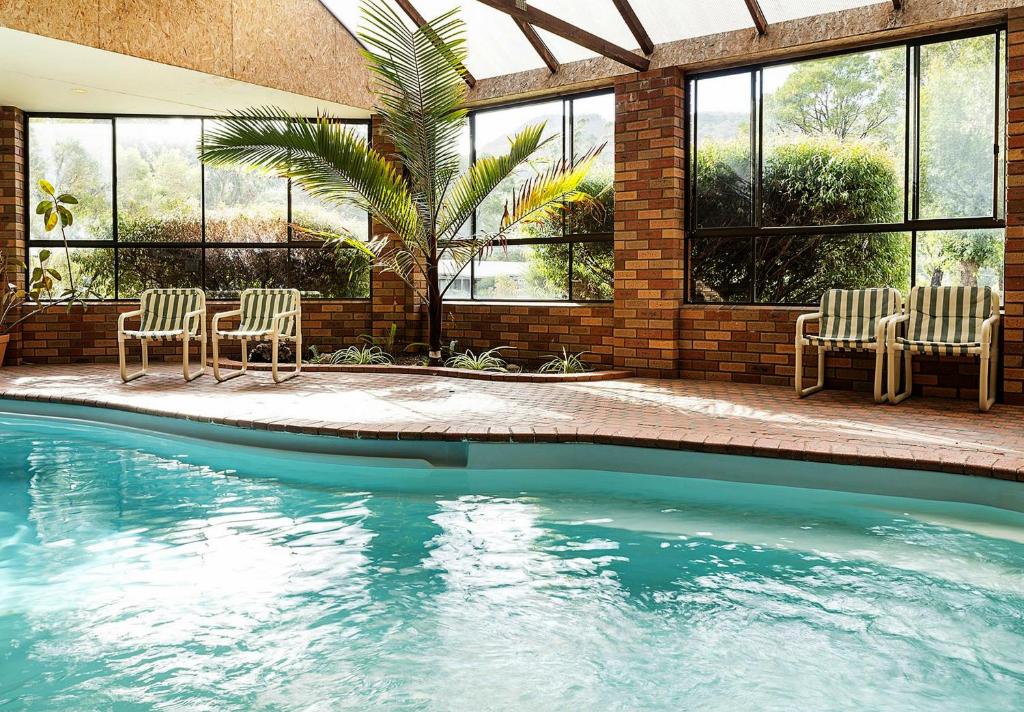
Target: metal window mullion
[
  {"x": 997, "y": 142},
  {"x": 472, "y": 218},
  {"x": 202, "y": 208},
  {"x": 113, "y": 207}
]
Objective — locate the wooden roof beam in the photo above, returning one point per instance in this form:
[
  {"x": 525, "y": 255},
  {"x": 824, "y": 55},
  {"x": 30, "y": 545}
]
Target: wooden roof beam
[
  {"x": 635, "y": 26},
  {"x": 519, "y": 9},
  {"x": 421, "y": 22},
  {"x": 538, "y": 44},
  {"x": 757, "y": 16}
]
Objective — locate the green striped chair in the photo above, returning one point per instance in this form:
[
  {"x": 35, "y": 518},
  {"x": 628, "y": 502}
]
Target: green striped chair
[
  {"x": 166, "y": 315},
  {"x": 264, "y": 314},
  {"x": 947, "y": 321},
  {"x": 850, "y": 320}
]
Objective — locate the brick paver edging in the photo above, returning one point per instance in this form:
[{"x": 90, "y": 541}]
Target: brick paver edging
[{"x": 702, "y": 416}]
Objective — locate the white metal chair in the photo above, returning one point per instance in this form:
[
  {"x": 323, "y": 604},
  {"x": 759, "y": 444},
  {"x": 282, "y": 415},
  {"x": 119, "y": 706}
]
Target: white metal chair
[
  {"x": 265, "y": 314},
  {"x": 850, "y": 320},
  {"x": 165, "y": 315},
  {"x": 948, "y": 321}
]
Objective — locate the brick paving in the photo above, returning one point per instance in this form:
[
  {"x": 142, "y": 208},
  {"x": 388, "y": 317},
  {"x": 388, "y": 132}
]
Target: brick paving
[{"x": 832, "y": 426}]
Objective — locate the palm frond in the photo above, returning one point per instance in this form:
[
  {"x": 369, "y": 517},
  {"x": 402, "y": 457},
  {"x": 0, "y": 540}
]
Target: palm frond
[{"x": 325, "y": 159}]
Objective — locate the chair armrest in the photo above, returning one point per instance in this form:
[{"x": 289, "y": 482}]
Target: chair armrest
[
  {"x": 189, "y": 316},
  {"x": 803, "y": 319},
  {"x": 986, "y": 329},
  {"x": 124, "y": 317},
  {"x": 890, "y": 336},
  {"x": 281, "y": 316},
  {"x": 224, "y": 315}
]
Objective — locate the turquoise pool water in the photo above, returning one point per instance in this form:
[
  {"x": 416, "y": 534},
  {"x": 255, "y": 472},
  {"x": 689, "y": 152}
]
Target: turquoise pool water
[{"x": 152, "y": 572}]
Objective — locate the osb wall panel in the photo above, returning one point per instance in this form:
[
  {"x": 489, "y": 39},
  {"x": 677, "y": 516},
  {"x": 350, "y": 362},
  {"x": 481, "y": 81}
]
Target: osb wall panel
[
  {"x": 533, "y": 331},
  {"x": 155, "y": 30},
  {"x": 90, "y": 334},
  {"x": 292, "y": 45},
  {"x": 756, "y": 345}
]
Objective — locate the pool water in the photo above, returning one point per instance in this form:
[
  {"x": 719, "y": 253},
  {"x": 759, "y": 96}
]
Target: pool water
[{"x": 146, "y": 572}]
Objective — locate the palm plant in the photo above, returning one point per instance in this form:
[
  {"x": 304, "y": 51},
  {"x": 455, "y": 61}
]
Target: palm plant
[{"x": 425, "y": 201}]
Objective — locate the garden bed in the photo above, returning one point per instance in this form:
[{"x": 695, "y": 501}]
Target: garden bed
[{"x": 521, "y": 377}]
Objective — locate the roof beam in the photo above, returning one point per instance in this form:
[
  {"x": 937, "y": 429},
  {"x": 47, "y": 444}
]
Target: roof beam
[
  {"x": 518, "y": 9},
  {"x": 635, "y": 26},
  {"x": 421, "y": 23},
  {"x": 538, "y": 44},
  {"x": 757, "y": 16}
]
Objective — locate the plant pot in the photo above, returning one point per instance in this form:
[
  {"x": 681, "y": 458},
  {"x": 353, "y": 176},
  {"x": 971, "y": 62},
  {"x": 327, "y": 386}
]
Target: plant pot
[{"x": 4, "y": 338}]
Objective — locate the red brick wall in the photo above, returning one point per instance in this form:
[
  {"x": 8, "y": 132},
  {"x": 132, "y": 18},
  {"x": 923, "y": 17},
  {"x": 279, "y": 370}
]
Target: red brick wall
[
  {"x": 1013, "y": 295},
  {"x": 91, "y": 334},
  {"x": 650, "y": 159},
  {"x": 12, "y": 202},
  {"x": 534, "y": 331}
]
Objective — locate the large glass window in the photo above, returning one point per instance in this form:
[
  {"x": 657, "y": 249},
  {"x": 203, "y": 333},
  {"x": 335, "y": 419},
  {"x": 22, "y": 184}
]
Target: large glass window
[
  {"x": 869, "y": 168},
  {"x": 568, "y": 257},
  {"x": 151, "y": 215}
]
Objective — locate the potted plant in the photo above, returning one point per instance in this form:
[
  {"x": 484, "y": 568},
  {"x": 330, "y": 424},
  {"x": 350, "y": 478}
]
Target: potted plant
[{"x": 18, "y": 305}]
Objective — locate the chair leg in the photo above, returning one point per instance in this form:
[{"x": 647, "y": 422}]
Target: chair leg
[
  {"x": 894, "y": 375},
  {"x": 880, "y": 395},
  {"x": 122, "y": 360},
  {"x": 220, "y": 375},
  {"x": 185, "y": 348},
  {"x": 820, "y": 383},
  {"x": 989, "y": 370},
  {"x": 278, "y": 378}
]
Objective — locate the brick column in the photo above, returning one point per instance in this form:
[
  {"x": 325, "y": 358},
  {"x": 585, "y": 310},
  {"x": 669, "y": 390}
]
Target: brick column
[
  {"x": 392, "y": 301},
  {"x": 650, "y": 161},
  {"x": 1013, "y": 290},
  {"x": 12, "y": 204}
]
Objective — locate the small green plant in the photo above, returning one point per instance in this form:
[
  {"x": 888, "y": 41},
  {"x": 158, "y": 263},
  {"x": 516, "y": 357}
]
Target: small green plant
[
  {"x": 54, "y": 209},
  {"x": 566, "y": 363},
  {"x": 19, "y": 305},
  {"x": 361, "y": 356},
  {"x": 489, "y": 360}
]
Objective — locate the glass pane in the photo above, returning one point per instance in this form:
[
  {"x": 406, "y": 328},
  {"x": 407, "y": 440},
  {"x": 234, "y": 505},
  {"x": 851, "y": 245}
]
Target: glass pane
[
  {"x": 330, "y": 273},
  {"x": 968, "y": 258},
  {"x": 89, "y": 265},
  {"x": 245, "y": 206},
  {"x": 957, "y": 127},
  {"x": 493, "y": 131},
  {"x": 668, "y": 20},
  {"x": 834, "y": 140},
  {"x": 593, "y": 271},
  {"x": 76, "y": 156},
  {"x": 780, "y": 10},
  {"x": 593, "y": 120},
  {"x": 798, "y": 269},
  {"x": 723, "y": 151},
  {"x": 159, "y": 180},
  {"x": 522, "y": 272},
  {"x": 313, "y": 214},
  {"x": 147, "y": 268},
  {"x": 720, "y": 270},
  {"x": 450, "y": 272},
  {"x": 231, "y": 269}
]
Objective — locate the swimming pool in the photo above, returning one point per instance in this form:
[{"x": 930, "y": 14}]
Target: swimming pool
[{"x": 164, "y": 572}]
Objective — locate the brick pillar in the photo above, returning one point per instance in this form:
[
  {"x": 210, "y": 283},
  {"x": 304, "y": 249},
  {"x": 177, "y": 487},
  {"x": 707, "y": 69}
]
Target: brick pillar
[
  {"x": 392, "y": 301},
  {"x": 1013, "y": 290},
  {"x": 12, "y": 204},
  {"x": 650, "y": 162}
]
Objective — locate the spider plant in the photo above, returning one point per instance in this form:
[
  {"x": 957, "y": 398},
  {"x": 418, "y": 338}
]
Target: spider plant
[
  {"x": 566, "y": 363},
  {"x": 422, "y": 198},
  {"x": 361, "y": 356},
  {"x": 487, "y": 361}
]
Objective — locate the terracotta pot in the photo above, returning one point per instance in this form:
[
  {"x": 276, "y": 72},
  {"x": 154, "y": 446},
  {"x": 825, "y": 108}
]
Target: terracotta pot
[{"x": 4, "y": 338}]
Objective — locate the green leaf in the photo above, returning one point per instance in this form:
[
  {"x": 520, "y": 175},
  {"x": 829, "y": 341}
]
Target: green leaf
[
  {"x": 43, "y": 206},
  {"x": 44, "y": 255},
  {"x": 65, "y": 216},
  {"x": 46, "y": 186},
  {"x": 51, "y": 220},
  {"x": 67, "y": 198}
]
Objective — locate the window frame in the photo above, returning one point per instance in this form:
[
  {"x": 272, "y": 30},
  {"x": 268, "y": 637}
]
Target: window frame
[
  {"x": 565, "y": 238},
  {"x": 115, "y": 245},
  {"x": 911, "y": 223}
]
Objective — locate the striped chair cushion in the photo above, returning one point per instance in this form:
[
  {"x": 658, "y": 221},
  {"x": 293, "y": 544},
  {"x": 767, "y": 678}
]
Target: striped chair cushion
[
  {"x": 260, "y": 306},
  {"x": 164, "y": 310},
  {"x": 946, "y": 320},
  {"x": 849, "y": 317}
]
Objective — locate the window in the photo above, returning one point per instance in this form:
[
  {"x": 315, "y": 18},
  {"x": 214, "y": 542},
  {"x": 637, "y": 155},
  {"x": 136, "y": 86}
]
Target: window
[
  {"x": 869, "y": 168},
  {"x": 150, "y": 214},
  {"x": 569, "y": 257}
]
